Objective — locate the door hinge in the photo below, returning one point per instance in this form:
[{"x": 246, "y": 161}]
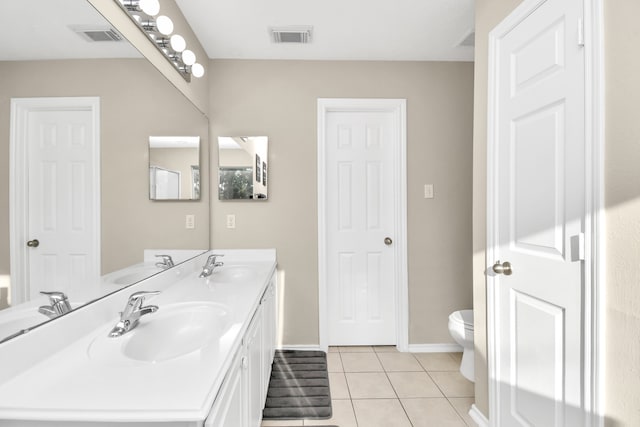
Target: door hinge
[
  {"x": 580, "y": 32},
  {"x": 577, "y": 247}
]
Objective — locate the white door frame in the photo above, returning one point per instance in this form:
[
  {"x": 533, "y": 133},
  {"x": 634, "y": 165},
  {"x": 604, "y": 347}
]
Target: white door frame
[
  {"x": 594, "y": 332},
  {"x": 19, "y": 180},
  {"x": 398, "y": 107}
]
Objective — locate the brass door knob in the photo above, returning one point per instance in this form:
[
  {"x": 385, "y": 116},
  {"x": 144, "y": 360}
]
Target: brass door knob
[
  {"x": 502, "y": 268},
  {"x": 388, "y": 241},
  {"x": 33, "y": 243}
]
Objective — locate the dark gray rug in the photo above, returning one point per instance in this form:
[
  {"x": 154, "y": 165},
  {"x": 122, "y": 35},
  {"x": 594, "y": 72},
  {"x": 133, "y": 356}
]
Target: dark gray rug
[{"x": 299, "y": 387}]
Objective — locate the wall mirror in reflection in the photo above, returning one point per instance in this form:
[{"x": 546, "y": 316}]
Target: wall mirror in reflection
[
  {"x": 174, "y": 167},
  {"x": 242, "y": 167}
]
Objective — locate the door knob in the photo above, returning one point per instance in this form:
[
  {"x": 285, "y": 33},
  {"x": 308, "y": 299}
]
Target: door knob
[
  {"x": 33, "y": 243},
  {"x": 388, "y": 241},
  {"x": 502, "y": 268}
]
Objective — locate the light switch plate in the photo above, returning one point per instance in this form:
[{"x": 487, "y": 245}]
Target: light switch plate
[
  {"x": 428, "y": 191},
  {"x": 190, "y": 222},
  {"x": 231, "y": 221}
]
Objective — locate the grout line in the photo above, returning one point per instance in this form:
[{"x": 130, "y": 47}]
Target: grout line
[{"x": 386, "y": 373}]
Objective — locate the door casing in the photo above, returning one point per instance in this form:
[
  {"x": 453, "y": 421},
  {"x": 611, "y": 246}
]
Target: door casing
[
  {"x": 19, "y": 180},
  {"x": 398, "y": 107},
  {"x": 593, "y": 304}
]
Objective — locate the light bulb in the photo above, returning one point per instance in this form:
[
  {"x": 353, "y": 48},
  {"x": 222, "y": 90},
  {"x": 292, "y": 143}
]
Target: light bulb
[
  {"x": 150, "y": 7},
  {"x": 164, "y": 24},
  {"x": 177, "y": 43},
  {"x": 188, "y": 57},
  {"x": 197, "y": 70}
]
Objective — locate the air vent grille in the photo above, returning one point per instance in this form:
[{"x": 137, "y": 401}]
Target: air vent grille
[
  {"x": 295, "y": 34},
  {"x": 93, "y": 34}
]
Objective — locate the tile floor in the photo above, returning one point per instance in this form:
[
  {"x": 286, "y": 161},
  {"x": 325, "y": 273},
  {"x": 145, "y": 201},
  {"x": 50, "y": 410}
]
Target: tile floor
[{"x": 379, "y": 386}]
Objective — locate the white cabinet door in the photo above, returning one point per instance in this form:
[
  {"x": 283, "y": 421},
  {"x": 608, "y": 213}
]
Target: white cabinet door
[
  {"x": 253, "y": 372},
  {"x": 228, "y": 410},
  {"x": 268, "y": 335}
]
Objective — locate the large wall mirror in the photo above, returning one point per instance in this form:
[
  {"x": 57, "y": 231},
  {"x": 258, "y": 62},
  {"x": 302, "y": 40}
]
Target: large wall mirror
[
  {"x": 64, "y": 49},
  {"x": 243, "y": 167}
]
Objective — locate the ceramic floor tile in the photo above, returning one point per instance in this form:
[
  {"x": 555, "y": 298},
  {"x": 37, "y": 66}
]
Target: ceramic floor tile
[
  {"x": 385, "y": 349},
  {"x": 462, "y": 406},
  {"x": 453, "y": 384},
  {"x": 432, "y": 412},
  {"x": 456, "y": 356},
  {"x": 338, "y": 386},
  {"x": 343, "y": 415},
  {"x": 361, "y": 362},
  {"x": 380, "y": 413},
  {"x": 334, "y": 350},
  {"x": 356, "y": 349},
  {"x": 413, "y": 384},
  {"x": 369, "y": 385},
  {"x": 437, "y": 361},
  {"x": 399, "y": 362},
  {"x": 334, "y": 362}
]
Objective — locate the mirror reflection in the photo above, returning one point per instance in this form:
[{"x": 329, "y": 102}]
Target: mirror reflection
[
  {"x": 174, "y": 167},
  {"x": 243, "y": 167},
  {"x": 48, "y": 59}
]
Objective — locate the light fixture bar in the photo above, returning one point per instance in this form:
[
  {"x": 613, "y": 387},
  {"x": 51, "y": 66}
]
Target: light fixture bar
[{"x": 158, "y": 30}]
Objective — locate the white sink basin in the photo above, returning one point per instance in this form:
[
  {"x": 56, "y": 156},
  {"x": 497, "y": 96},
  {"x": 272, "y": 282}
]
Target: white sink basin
[
  {"x": 232, "y": 273},
  {"x": 175, "y": 330}
]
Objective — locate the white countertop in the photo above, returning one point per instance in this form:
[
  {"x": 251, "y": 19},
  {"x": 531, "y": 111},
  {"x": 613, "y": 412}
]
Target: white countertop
[{"x": 75, "y": 385}]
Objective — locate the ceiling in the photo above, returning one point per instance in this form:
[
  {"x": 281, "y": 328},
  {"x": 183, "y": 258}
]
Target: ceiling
[{"x": 388, "y": 30}]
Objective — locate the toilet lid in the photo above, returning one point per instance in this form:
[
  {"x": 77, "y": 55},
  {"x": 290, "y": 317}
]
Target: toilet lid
[{"x": 463, "y": 316}]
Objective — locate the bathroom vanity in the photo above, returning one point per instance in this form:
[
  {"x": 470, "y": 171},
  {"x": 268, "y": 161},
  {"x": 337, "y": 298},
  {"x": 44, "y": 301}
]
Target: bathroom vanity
[{"x": 202, "y": 359}]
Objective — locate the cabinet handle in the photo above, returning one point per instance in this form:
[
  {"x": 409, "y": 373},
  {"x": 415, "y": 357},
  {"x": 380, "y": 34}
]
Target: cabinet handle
[{"x": 244, "y": 362}]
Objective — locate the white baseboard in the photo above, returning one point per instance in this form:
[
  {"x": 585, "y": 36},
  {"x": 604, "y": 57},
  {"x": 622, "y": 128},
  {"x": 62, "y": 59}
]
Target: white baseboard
[
  {"x": 310, "y": 347},
  {"x": 478, "y": 417},
  {"x": 434, "y": 348}
]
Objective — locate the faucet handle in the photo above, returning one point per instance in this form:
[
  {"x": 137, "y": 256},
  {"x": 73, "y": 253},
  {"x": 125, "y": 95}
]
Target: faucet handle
[
  {"x": 167, "y": 261},
  {"x": 137, "y": 298},
  {"x": 212, "y": 258},
  {"x": 55, "y": 296}
]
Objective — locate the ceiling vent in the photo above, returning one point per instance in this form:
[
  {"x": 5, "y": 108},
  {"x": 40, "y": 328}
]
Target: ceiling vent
[
  {"x": 96, "y": 34},
  {"x": 469, "y": 40},
  {"x": 293, "y": 34}
]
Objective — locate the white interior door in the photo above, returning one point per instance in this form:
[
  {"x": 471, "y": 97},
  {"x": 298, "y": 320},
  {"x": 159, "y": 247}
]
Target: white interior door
[
  {"x": 360, "y": 216},
  {"x": 56, "y": 192},
  {"x": 537, "y": 213}
]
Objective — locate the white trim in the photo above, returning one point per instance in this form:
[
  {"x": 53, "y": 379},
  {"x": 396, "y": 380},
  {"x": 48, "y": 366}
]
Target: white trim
[
  {"x": 399, "y": 108},
  {"x": 478, "y": 417},
  {"x": 435, "y": 348},
  {"x": 301, "y": 347},
  {"x": 19, "y": 178},
  {"x": 594, "y": 206}
]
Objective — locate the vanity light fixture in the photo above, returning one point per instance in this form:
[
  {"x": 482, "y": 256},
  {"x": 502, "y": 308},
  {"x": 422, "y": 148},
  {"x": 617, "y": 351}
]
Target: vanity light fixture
[{"x": 159, "y": 29}]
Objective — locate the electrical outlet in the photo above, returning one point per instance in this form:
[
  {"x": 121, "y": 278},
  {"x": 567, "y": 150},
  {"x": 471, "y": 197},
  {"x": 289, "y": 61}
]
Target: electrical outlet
[
  {"x": 231, "y": 221},
  {"x": 428, "y": 191},
  {"x": 190, "y": 222}
]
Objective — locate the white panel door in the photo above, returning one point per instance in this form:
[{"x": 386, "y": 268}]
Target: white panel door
[
  {"x": 538, "y": 194},
  {"x": 359, "y": 216},
  {"x": 61, "y": 213}
]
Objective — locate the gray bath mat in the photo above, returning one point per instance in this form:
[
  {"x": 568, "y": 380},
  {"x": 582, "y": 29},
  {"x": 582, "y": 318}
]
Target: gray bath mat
[{"x": 299, "y": 387}]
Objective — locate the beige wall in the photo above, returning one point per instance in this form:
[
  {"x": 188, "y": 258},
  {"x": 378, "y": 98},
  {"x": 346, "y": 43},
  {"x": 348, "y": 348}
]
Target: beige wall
[
  {"x": 135, "y": 101},
  {"x": 622, "y": 195},
  {"x": 622, "y": 198},
  {"x": 278, "y": 99}
]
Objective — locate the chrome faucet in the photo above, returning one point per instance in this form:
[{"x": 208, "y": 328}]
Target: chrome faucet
[
  {"x": 132, "y": 313},
  {"x": 59, "y": 304},
  {"x": 211, "y": 263},
  {"x": 166, "y": 262}
]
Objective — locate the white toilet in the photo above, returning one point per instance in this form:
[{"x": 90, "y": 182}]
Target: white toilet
[{"x": 461, "y": 329}]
